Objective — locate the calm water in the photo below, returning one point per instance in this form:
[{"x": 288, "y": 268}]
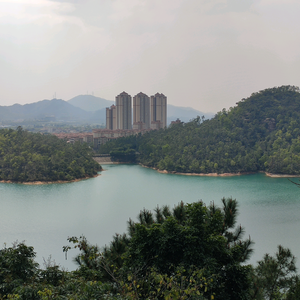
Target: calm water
[{"x": 44, "y": 216}]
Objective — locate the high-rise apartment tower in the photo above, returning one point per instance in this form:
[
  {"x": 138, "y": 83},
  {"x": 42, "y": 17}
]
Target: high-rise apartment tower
[
  {"x": 123, "y": 104},
  {"x": 141, "y": 111},
  {"x": 111, "y": 117},
  {"x": 158, "y": 111}
]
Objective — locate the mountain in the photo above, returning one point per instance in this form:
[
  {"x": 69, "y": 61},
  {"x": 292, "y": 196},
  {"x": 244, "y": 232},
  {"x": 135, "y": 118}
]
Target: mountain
[
  {"x": 55, "y": 108},
  {"x": 261, "y": 133},
  {"x": 99, "y": 116},
  {"x": 98, "y": 105},
  {"x": 83, "y": 108},
  {"x": 185, "y": 114},
  {"x": 90, "y": 103}
]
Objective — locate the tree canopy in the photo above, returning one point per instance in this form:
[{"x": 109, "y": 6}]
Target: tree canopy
[
  {"x": 27, "y": 157},
  {"x": 192, "y": 251},
  {"x": 261, "y": 133},
  {"x": 193, "y": 245}
]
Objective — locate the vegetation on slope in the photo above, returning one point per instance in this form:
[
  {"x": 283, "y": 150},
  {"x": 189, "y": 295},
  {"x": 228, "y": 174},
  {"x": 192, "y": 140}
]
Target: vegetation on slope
[
  {"x": 260, "y": 134},
  {"x": 190, "y": 252},
  {"x": 27, "y": 157}
]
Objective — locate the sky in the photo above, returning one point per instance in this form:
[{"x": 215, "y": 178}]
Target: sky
[{"x": 205, "y": 54}]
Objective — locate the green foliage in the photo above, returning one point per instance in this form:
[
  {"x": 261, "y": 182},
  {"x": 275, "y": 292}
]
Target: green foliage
[
  {"x": 276, "y": 275},
  {"x": 123, "y": 155},
  {"x": 190, "y": 252},
  {"x": 27, "y": 157},
  {"x": 21, "y": 279},
  {"x": 260, "y": 134},
  {"x": 182, "y": 284},
  {"x": 17, "y": 267},
  {"x": 294, "y": 290}
]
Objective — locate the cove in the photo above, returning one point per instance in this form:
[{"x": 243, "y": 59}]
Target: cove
[{"x": 45, "y": 215}]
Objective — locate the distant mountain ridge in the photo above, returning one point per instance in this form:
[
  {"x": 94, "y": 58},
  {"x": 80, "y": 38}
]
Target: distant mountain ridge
[
  {"x": 90, "y": 102},
  {"x": 82, "y": 108},
  {"x": 58, "y": 108},
  {"x": 185, "y": 114}
]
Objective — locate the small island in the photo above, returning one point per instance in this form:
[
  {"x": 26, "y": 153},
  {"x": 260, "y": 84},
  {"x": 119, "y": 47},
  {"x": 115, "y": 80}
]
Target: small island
[{"x": 33, "y": 158}]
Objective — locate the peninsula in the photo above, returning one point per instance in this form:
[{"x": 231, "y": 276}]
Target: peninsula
[
  {"x": 35, "y": 158},
  {"x": 260, "y": 134}
]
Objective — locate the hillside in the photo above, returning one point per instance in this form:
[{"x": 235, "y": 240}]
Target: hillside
[
  {"x": 98, "y": 105},
  {"x": 90, "y": 103},
  {"x": 83, "y": 108},
  {"x": 261, "y": 133},
  {"x": 28, "y": 157},
  {"x": 56, "y": 108},
  {"x": 185, "y": 114}
]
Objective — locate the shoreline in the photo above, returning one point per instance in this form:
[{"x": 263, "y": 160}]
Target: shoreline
[
  {"x": 112, "y": 163},
  {"x": 204, "y": 174},
  {"x": 272, "y": 175},
  {"x": 48, "y": 182},
  {"x": 281, "y": 175}
]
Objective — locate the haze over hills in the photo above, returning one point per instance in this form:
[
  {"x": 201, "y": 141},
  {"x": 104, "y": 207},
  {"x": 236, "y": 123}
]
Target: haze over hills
[
  {"x": 98, "y": 105},
  {"x": 185, "y": 114},
  {"x": 82, "y": 108},
  {"x": 90, "y": 102},
  {"x": 56, "y": 108}
]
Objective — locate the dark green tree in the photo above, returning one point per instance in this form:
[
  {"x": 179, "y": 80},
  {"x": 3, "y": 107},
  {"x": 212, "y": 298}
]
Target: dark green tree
[
  {"x": 27, "y": 157},
  {"x": 17, "y": 267},
  {"x": 276, "y": 275},
  {"x": 259, "y": 134},
  {"x": 190, "y": 239}
]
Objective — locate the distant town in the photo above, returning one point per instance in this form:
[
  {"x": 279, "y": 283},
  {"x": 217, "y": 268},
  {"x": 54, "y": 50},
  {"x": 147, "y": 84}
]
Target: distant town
[
  {"x": 123, "y": 119},
  {"x": 91, "y": 119},
  {"x": 95, "y": 120},
  {"x": 148, "y": 112}
]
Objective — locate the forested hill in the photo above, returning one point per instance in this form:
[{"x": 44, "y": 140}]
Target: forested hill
[
  {"x": 261, "y": 133},
  {"x": 27, "y": 157}
]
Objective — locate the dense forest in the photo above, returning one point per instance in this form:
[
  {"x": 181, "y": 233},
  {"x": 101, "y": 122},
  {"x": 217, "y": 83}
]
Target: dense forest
[
  {"x": 192, "y": 252},
  {"x": 261, "y": 133},
  {"x": 27, "y": 157}
]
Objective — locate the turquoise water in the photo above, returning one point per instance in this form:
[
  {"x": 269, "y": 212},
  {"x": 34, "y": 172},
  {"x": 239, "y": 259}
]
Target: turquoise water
[{"x": 44, "y": 216}]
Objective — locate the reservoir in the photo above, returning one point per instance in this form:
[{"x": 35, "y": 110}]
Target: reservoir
[{"x": 44, "y": 216}]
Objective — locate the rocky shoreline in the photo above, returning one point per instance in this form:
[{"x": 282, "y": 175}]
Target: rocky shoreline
[
  {"x": 204, "y": 174},
  {"x": 48, "y": 182},
  {"x": 281, "y": 175},
  {"x": 223, "y": 174}
]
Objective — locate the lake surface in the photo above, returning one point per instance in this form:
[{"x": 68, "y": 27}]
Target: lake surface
[{"x": 45, "y": 215}]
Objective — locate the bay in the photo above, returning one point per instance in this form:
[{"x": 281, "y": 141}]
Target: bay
[{"x": 45, "y": 215}]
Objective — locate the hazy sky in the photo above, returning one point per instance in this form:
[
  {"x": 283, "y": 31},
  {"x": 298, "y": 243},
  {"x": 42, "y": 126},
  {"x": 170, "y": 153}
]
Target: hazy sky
[{"x": 206, "y": 54}]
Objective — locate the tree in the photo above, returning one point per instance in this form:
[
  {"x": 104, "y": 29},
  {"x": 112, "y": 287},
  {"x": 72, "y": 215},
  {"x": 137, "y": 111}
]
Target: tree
[
  {"x": 276, "y": 275},
  {"x": 26, "y": 156},
  {"x": 259, "y": 134},
  {"x": 174, "y": 245},
  {"x": 17, "y": 266}
]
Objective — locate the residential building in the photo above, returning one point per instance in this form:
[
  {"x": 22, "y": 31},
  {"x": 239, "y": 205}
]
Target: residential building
[
  {"x": 123, "y": 104},
  {"x": 158, "y": 111},
  {"x": 111, "y": 117},
  {"x": 141, "y": 111}
]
